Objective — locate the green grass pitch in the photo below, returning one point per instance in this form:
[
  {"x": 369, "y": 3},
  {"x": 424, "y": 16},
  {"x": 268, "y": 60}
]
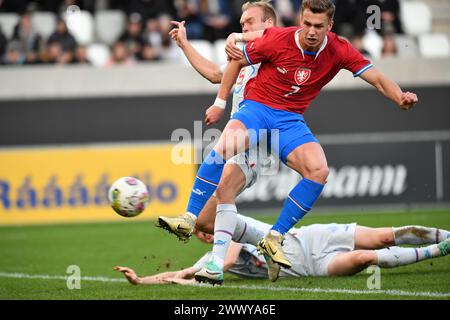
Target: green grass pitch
[{"x": 48, "y": 250}]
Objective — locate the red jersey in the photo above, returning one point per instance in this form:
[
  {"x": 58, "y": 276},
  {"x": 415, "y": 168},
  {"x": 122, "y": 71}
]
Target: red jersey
[{"x": 289, "y": 77}]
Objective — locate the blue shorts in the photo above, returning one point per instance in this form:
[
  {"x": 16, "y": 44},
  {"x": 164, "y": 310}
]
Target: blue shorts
[{"x": 286, "y": 130}]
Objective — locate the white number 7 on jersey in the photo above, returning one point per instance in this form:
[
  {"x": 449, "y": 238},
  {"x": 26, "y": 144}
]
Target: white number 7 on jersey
[{"x": 296, "y": 89}]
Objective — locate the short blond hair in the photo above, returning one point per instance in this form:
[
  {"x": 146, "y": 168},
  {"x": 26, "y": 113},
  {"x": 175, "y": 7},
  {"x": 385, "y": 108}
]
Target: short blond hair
[{"x": 266, "y": 6}]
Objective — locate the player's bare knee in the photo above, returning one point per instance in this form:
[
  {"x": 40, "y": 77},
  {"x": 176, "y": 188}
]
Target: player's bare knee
[
  {"x": 324, "y": 172},
  {"x": 318, "y": 174}
]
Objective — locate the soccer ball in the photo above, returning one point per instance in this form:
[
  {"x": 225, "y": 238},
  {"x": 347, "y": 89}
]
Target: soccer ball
[{"x": 128, "y": 196}]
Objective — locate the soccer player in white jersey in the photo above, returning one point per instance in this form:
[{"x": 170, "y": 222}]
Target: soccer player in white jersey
[
  {"x": 240, "y": 171},
  {"x": 317, "y": 250},
  {"x": 296, "y": 63}
]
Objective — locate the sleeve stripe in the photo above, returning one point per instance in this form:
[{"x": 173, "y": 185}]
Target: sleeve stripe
[
  {"x": 360, "y": 71},
  {"x": 246, "y": 55}
]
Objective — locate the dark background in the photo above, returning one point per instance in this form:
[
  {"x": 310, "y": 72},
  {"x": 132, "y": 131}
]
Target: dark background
[
  {"x": 122, "y": 119},
  {"x": 155, "y": 117}
]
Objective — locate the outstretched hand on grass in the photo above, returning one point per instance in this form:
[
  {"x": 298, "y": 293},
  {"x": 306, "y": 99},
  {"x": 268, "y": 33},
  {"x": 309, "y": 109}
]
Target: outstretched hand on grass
[{"x": 129, "y": 274}]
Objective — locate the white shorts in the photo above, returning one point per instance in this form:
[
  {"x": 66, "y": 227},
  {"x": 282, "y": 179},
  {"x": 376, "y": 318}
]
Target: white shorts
[
  {"x": 252, "y": 165},
  {"x": 311, "y": 248},
  {"x": 248, "y": 165}
]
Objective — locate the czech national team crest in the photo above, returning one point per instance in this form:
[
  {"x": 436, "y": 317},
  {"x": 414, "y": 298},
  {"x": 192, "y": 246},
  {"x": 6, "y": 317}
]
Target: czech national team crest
[{"x": 302, "y": 75}]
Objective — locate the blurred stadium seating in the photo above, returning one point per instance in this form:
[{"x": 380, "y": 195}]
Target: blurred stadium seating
[
  {"x": 434, "y": 45},
  {"x": 416, "y": 17},
  {"x": 407, "y": 46},
  {"x": 81, "y": 26},
  {"x": 424, "y": 22},
  {"x": 98, "y": 54},
  {"x": 7, "y": 22},
  {"x": 109, "y": 25},
  {"x": 219, "y": 54},
  {"x": 373, "y": 43},
  {"x": 204, "y": 47},
  {"x": 44, "y": 23}
]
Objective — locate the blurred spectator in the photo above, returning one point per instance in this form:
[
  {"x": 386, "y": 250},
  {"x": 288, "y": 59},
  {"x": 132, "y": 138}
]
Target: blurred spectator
[
  {"x": 3, "y": 42},
  {"x": 357, "y": 43},
  {"x": 296, "y": 5},
  {"x": 133, "y": 36},
  {"x": 350, "y": 17},
  {"x": 60, "y": 6},
  {"x": 117, "y": 4},
  {"x": 120, "y": 55},
  {"x": 30, "y": 40},
  {"x": 86, "y": 5},
  {"x": 149, "y": 53},
  {"x": 390, "y": 25},
  {"x": 169, "y": 50},
  {"x": 17, "y": 6},
  {"x": 218, "y": 17},
  {"x": 350, "y": 21},
  {"x": 288, "y": 12},
  {"x": 147, "y": 8},
  {"x": 15, "y": 53},
  {"x": 189, "y": 11},
  {"x": 390, "y": 17},
  {"x": 49, "y": 5},
  {"x": 152, "y": 39},
  {"x": 389, "y": 47},
  {"x": 146, "y": 35},
  {"x": 80, "y": 55},
  {"x": 152, "y": 33},
  {"x": 61, "y": 45},
  {"x": 158, "y": 42}
]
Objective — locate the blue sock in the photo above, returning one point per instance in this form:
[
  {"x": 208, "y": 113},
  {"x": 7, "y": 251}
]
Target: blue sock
[
  {"x": 206, "y": 181},
  {"x": 299, "y": 201}
]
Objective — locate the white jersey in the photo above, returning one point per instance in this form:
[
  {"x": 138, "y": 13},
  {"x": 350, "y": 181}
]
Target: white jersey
[
  {"x": 248, "y": 162},
  {"x": 245, "y": 75},
  {"x": 311, "y": 248}
]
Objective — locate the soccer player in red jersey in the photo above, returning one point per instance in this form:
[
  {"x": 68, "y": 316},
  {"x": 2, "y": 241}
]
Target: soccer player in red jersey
[{"x": 296, "y": 63}]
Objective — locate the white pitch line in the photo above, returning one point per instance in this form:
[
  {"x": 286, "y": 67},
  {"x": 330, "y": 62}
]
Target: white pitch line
[
  {"x": 246, "y": 287},
  {"x": 348, "y": 291},
  {"x": 49, "y": 277}
]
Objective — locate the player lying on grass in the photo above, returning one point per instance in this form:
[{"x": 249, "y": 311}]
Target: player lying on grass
[{"x": 316, "y": 250}]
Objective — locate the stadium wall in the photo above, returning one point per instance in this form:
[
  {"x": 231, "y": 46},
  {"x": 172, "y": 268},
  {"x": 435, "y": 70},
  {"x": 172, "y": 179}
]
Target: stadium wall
[
  {"x": 70, "y": 183},
  {"x": 75, "y": 81}
]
